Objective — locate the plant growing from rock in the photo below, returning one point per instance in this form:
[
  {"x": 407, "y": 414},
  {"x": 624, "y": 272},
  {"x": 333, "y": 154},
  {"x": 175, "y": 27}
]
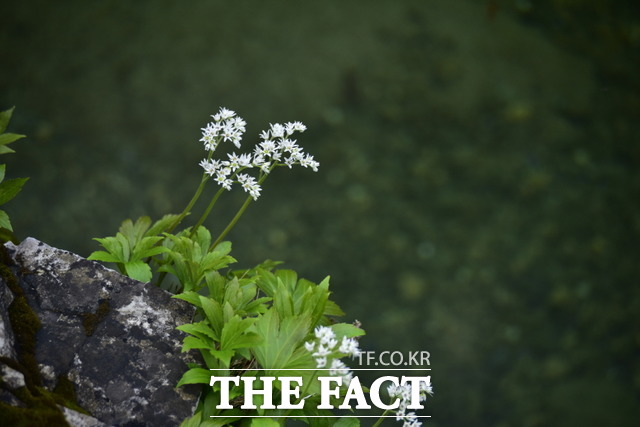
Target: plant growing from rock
[{"x": 253, "y": 322}]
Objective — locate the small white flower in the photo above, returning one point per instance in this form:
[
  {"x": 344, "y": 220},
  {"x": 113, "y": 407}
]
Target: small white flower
[
  {"x": 349, "y": 346},
  {"x": 299, "y": 127},
  {"x": 289, "y": 145},
  {"x": 268, "y": 148},
  {"x": 309, "y": 345},
  {"x": 338, "y": 368},
  {"x": 321, "y": 362},
  {"x": 244, "y": 160},
  {"x": 324, "y": 334},
  {"x": 225, "y": 113},
  {"x": 392, "y": 390},
  {"x": 425, "y": 387},
  {"x": 309, "y": 162},
  {"x": 277, "y": 130},
  {"x": 209, "y": 167},
  {"x": 234, "y": 162},
  {"x": 223, "y": 181},
  {"x": 321, "y": 351},
  {"x": 249, "y": 185},
  {"x": 289, "y": 161}
]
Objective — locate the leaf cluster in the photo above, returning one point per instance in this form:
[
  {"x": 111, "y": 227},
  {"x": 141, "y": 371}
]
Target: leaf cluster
[
  {"x": 255, "y": 323},
  {"x": 9, "y": 188},
  {"x": 133, "y": 245}
]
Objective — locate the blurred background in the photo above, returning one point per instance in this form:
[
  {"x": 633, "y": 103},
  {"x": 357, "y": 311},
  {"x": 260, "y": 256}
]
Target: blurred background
[{"x": 478, "y": 195}]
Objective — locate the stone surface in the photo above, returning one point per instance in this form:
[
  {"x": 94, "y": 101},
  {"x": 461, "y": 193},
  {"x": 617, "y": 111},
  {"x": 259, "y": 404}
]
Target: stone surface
[{"x": 113, "y": 337}]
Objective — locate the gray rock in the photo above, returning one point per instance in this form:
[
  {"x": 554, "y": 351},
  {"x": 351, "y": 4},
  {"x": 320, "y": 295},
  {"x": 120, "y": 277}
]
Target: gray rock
[{"x": 113, "y": 337}]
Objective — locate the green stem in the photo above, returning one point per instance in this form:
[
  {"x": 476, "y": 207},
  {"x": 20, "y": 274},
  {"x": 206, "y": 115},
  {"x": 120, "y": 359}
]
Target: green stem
[
  {"x": 244, "y": 206},
  {"x": 232, "y": 223},
  {"x": 207, "y": 211},
  {"x": 192, "y": 202},
  {"x": 381, "y": 418}
]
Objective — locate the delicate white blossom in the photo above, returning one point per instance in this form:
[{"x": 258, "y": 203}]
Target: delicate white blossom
[
  {"x": 321, "y": 351},
  {"x": 403, "y": 392},
  {"x": 321, "y": 362},
  {"x": 338, "y": 368},
  {"x": 327, "y": 351},
  {"x": 324, "y": 334},
  {"x": 276, "y": 148},
  {"x": 249, "y": 185},
  {"x": 349, "y": 346}
]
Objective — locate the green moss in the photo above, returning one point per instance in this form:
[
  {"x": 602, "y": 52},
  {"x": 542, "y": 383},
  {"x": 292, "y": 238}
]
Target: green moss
[
  {"x": 64, "y": 394},
  {"x": 90, "y": 321},
  {"x": 24, "y": 322},
  {"x": 31, "y": 416},
  {"x": 40, "y": 406}
]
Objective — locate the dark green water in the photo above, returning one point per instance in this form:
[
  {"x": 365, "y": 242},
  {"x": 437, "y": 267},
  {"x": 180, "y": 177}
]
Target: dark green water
[{"x": 478, "y": 194}]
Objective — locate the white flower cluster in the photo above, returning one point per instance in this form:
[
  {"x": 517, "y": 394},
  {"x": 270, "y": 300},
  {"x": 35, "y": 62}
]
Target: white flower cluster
[
  {"x": 275, "y": 149},
  {"x": 225, "y": 127},
  {"x": 403, "y": 392},
  {"x": 325, "y": 348}
]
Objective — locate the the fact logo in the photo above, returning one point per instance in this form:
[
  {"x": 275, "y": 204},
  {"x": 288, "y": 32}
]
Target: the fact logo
[{"x": 290, "y": 391}]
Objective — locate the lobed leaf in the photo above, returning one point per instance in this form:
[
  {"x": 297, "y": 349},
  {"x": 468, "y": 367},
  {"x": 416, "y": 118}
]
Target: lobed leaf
[
  {"x": 138, "y": 270},
  {"x": 161, "y": 225}
]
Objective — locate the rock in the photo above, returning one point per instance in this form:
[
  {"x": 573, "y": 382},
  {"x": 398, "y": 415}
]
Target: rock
[{"x": 113, "y": 338}]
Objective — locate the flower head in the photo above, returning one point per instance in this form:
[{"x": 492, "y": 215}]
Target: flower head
[{"x": 276, "y": 148}]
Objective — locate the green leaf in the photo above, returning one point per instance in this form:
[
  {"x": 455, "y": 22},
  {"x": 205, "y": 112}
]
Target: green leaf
[
  {"x": 347, "y": 422},
  {"x": 113, "y": 246},
  {"x": 191, "y": 297},
  {"x": 161, "y": 225},
  {"x": 234, "y": 334},
  {"x": 332, "y": 309},
  {"x": 221, "y": 249},
  {"x": 282, "y": 301},
  {"x": 213, "y": 312},
  {"x": 124, "y": 243},
  {"x": 264, "y": 422},
  {"x": 4, "y": 221},
  {"x": 224, "y": 356},
  {"x": 138, "y": 270},
  {"x": 145, "y": 247},
  {"x": 2, "y": 170},
  {"x": 267, "y": 282},
  {"x": 347, "y": 330},
  {"x": 280, "y": 338},
  {"x": 135, "y": 232},
  {"x": 195, "y": 376},
  {"x": 289, "y": 278},
  {"x": 103, "y": 256},
  {"x": 6, "y": 150},
  {"x": 199, "y": 329},
  {"x": 8, "y": 138},
  {"x": 9, "y": 189},
  {"x": 5, "y": 117},
  {"x": 193, "y": 342},
  {"x": 194, "y": 421}
]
